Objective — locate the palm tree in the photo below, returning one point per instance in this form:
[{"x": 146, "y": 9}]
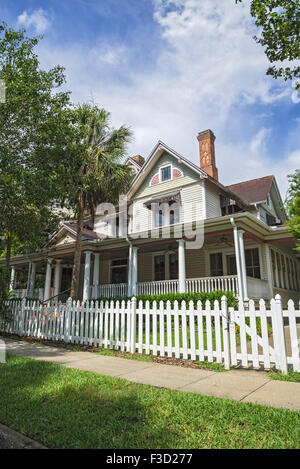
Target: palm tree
[{"x": 97, "y": 174}]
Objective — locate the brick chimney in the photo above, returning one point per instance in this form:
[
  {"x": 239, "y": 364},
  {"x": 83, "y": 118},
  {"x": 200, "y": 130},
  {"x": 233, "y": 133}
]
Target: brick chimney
[{"x": 206, "y": 141}]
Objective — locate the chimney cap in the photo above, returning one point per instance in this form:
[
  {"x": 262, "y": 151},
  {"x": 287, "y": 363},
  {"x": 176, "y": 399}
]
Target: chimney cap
[{"x": 205, "y": 134}]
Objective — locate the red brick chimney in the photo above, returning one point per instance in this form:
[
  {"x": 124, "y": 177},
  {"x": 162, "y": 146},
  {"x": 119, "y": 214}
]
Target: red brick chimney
[{"x": 206, "y": 141}]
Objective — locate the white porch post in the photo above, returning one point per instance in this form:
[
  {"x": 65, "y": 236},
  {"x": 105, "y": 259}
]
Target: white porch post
[
  {"x": 129, "y": 290},
  {"x": 87, "y": 276},
  {"x": 47, "y": 288},
  {"x": 238, "y": 260},
  {"x": 134, "y": 273},
  {"x": 28, "y": 279},
  {"x": 12, "y": 278},
  {"x": 96, "y": 274},
  {"x": 181, "y": 265},
  {"x": 57, "y": 277},
  {"x": 243, "y": 263},
  {"x": 269, "y": 271}
]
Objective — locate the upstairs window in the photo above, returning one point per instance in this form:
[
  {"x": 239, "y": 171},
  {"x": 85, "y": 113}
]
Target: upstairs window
[
  {"x": 165, "y": 173},
  {"x": 167, "y": 213}
]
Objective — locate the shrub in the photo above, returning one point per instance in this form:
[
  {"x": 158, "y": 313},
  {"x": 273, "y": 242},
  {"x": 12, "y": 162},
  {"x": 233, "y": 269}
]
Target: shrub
[{"x": 172, "y": 297}]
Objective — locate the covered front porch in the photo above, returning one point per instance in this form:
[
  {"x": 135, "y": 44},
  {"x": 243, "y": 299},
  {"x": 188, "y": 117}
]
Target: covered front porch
[{"x": 241, "y": 255}]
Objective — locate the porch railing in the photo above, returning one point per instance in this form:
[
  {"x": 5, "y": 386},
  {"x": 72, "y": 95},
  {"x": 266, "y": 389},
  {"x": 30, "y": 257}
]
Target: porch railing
[
  {"x": 208, "y": 284},
  {"x": 109, "y": 291},
  {"x": 157, "y": 288},
  {"x": 195, "y": 285}
]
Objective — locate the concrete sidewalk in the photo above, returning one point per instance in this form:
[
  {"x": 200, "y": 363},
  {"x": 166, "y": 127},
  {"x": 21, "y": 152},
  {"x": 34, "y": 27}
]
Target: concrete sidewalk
[{"x": 239, "y": 385}]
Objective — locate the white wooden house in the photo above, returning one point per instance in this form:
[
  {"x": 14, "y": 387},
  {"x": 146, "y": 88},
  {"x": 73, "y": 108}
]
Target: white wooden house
[{"x": 179, "y": 229}]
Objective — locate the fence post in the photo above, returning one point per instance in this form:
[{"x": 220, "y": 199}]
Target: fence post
[
  {"x": 279, "y": 336},
  {"x": 22, "y": 321},
  {"x": 67, "y": 319},
  {"x": 133, "y": 326},
  {"x": 225, "y": 327}
]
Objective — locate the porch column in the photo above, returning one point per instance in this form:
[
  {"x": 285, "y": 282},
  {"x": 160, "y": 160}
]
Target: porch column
[
  {"x": 269, "y": 271},
  {"x": 134, "y": 272},
  {"x": 12, "y": 278},
  {"x": 243, "y": 263},
  {"x": 87, "y": 276},
  {"x": 96, "y": 274},
  {"x": 57, "y": 277},
  {"x": 238, "y": 260},
  {"x": 129, "y": 287},
  {"x": 47, "y": 288},
  {"x": 28, "y": 279},
  {"x": 181, "y": 265}
]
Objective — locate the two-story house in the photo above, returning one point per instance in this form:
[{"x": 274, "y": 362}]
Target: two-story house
[{"x": 178, "y": 229}]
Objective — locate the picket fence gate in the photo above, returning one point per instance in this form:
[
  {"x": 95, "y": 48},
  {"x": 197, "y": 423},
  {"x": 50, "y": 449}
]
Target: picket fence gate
[{"x": 219, "y": 334}]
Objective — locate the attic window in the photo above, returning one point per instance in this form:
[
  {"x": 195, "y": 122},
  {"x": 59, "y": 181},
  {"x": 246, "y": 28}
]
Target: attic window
[{"x": 165, "y": 173}]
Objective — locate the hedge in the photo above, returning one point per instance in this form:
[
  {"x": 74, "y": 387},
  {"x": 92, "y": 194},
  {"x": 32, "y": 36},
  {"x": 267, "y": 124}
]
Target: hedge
[{"x": 172, "y": 297}]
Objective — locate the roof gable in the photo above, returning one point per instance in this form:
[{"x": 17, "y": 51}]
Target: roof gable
[{"x": 151, "y": 165}]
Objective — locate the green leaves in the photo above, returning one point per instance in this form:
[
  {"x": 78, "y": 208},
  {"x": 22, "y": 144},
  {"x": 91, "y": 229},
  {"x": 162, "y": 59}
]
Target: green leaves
[
  {"x": 279, "y": 23},
  {"x": 293, "y": 205},
  {"x": 32, "y": 139}
]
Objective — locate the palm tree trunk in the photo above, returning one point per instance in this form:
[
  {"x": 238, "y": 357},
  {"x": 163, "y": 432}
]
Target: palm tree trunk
[{"x": 77, "y": 255}]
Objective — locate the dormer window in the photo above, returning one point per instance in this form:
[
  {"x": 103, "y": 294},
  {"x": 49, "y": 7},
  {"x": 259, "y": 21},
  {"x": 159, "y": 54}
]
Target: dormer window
[{"x": 165, "y": 173}]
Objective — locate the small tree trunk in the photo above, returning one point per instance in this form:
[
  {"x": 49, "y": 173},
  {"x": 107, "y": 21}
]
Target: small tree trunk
[{"x": 77, "y": 254}]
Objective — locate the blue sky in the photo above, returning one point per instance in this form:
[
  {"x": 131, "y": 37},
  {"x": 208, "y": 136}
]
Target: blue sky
[{"x": 169, "y": 69}]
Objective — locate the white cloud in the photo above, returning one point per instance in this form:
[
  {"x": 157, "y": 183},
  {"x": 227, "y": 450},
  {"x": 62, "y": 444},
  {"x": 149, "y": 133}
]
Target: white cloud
[
  {"x": 209, "y": 65},
  {"x": 294, "y": 158},
  {"x": 258, "y": 143},
  {"x": 38, "y": 19}
]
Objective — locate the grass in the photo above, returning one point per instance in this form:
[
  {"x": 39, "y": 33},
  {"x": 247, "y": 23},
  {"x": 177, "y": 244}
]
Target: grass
[
  {"x": 292, "y": 376},
  {"x": 68, "y": 408}
]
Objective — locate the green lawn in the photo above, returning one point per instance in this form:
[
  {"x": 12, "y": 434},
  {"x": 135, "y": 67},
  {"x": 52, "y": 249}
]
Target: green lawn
[
  {"x": 292, "y": 376},
  {"x": 67, "y": 408}
]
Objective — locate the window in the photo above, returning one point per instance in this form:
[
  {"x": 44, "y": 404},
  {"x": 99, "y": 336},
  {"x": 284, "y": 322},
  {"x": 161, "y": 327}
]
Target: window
[
  {"x": 166, "y": 266},
  {"x": 166, "y": 213},
  {"x": 165, "y": 173},
  {"x": 231, "y": 265},
  {"x": 119, "y": 271},
  {"x": 252, "y": 263},
  {"x": 173, "y": 266},
  {"x": 159, "y": 268},
  {"x": 216, "y": 264}
]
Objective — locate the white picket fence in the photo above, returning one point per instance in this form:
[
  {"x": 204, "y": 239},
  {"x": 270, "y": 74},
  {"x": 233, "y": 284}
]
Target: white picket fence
[{"x": 219, "y": 334}]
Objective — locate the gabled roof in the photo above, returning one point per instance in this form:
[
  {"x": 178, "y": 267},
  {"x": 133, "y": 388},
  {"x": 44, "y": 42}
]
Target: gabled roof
[
  {"x": 157, "y": 151},
  {"x": 87, "y": 235},
  {"x": 133, "y": 162},
  {"x": 253, "y": 191}
]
